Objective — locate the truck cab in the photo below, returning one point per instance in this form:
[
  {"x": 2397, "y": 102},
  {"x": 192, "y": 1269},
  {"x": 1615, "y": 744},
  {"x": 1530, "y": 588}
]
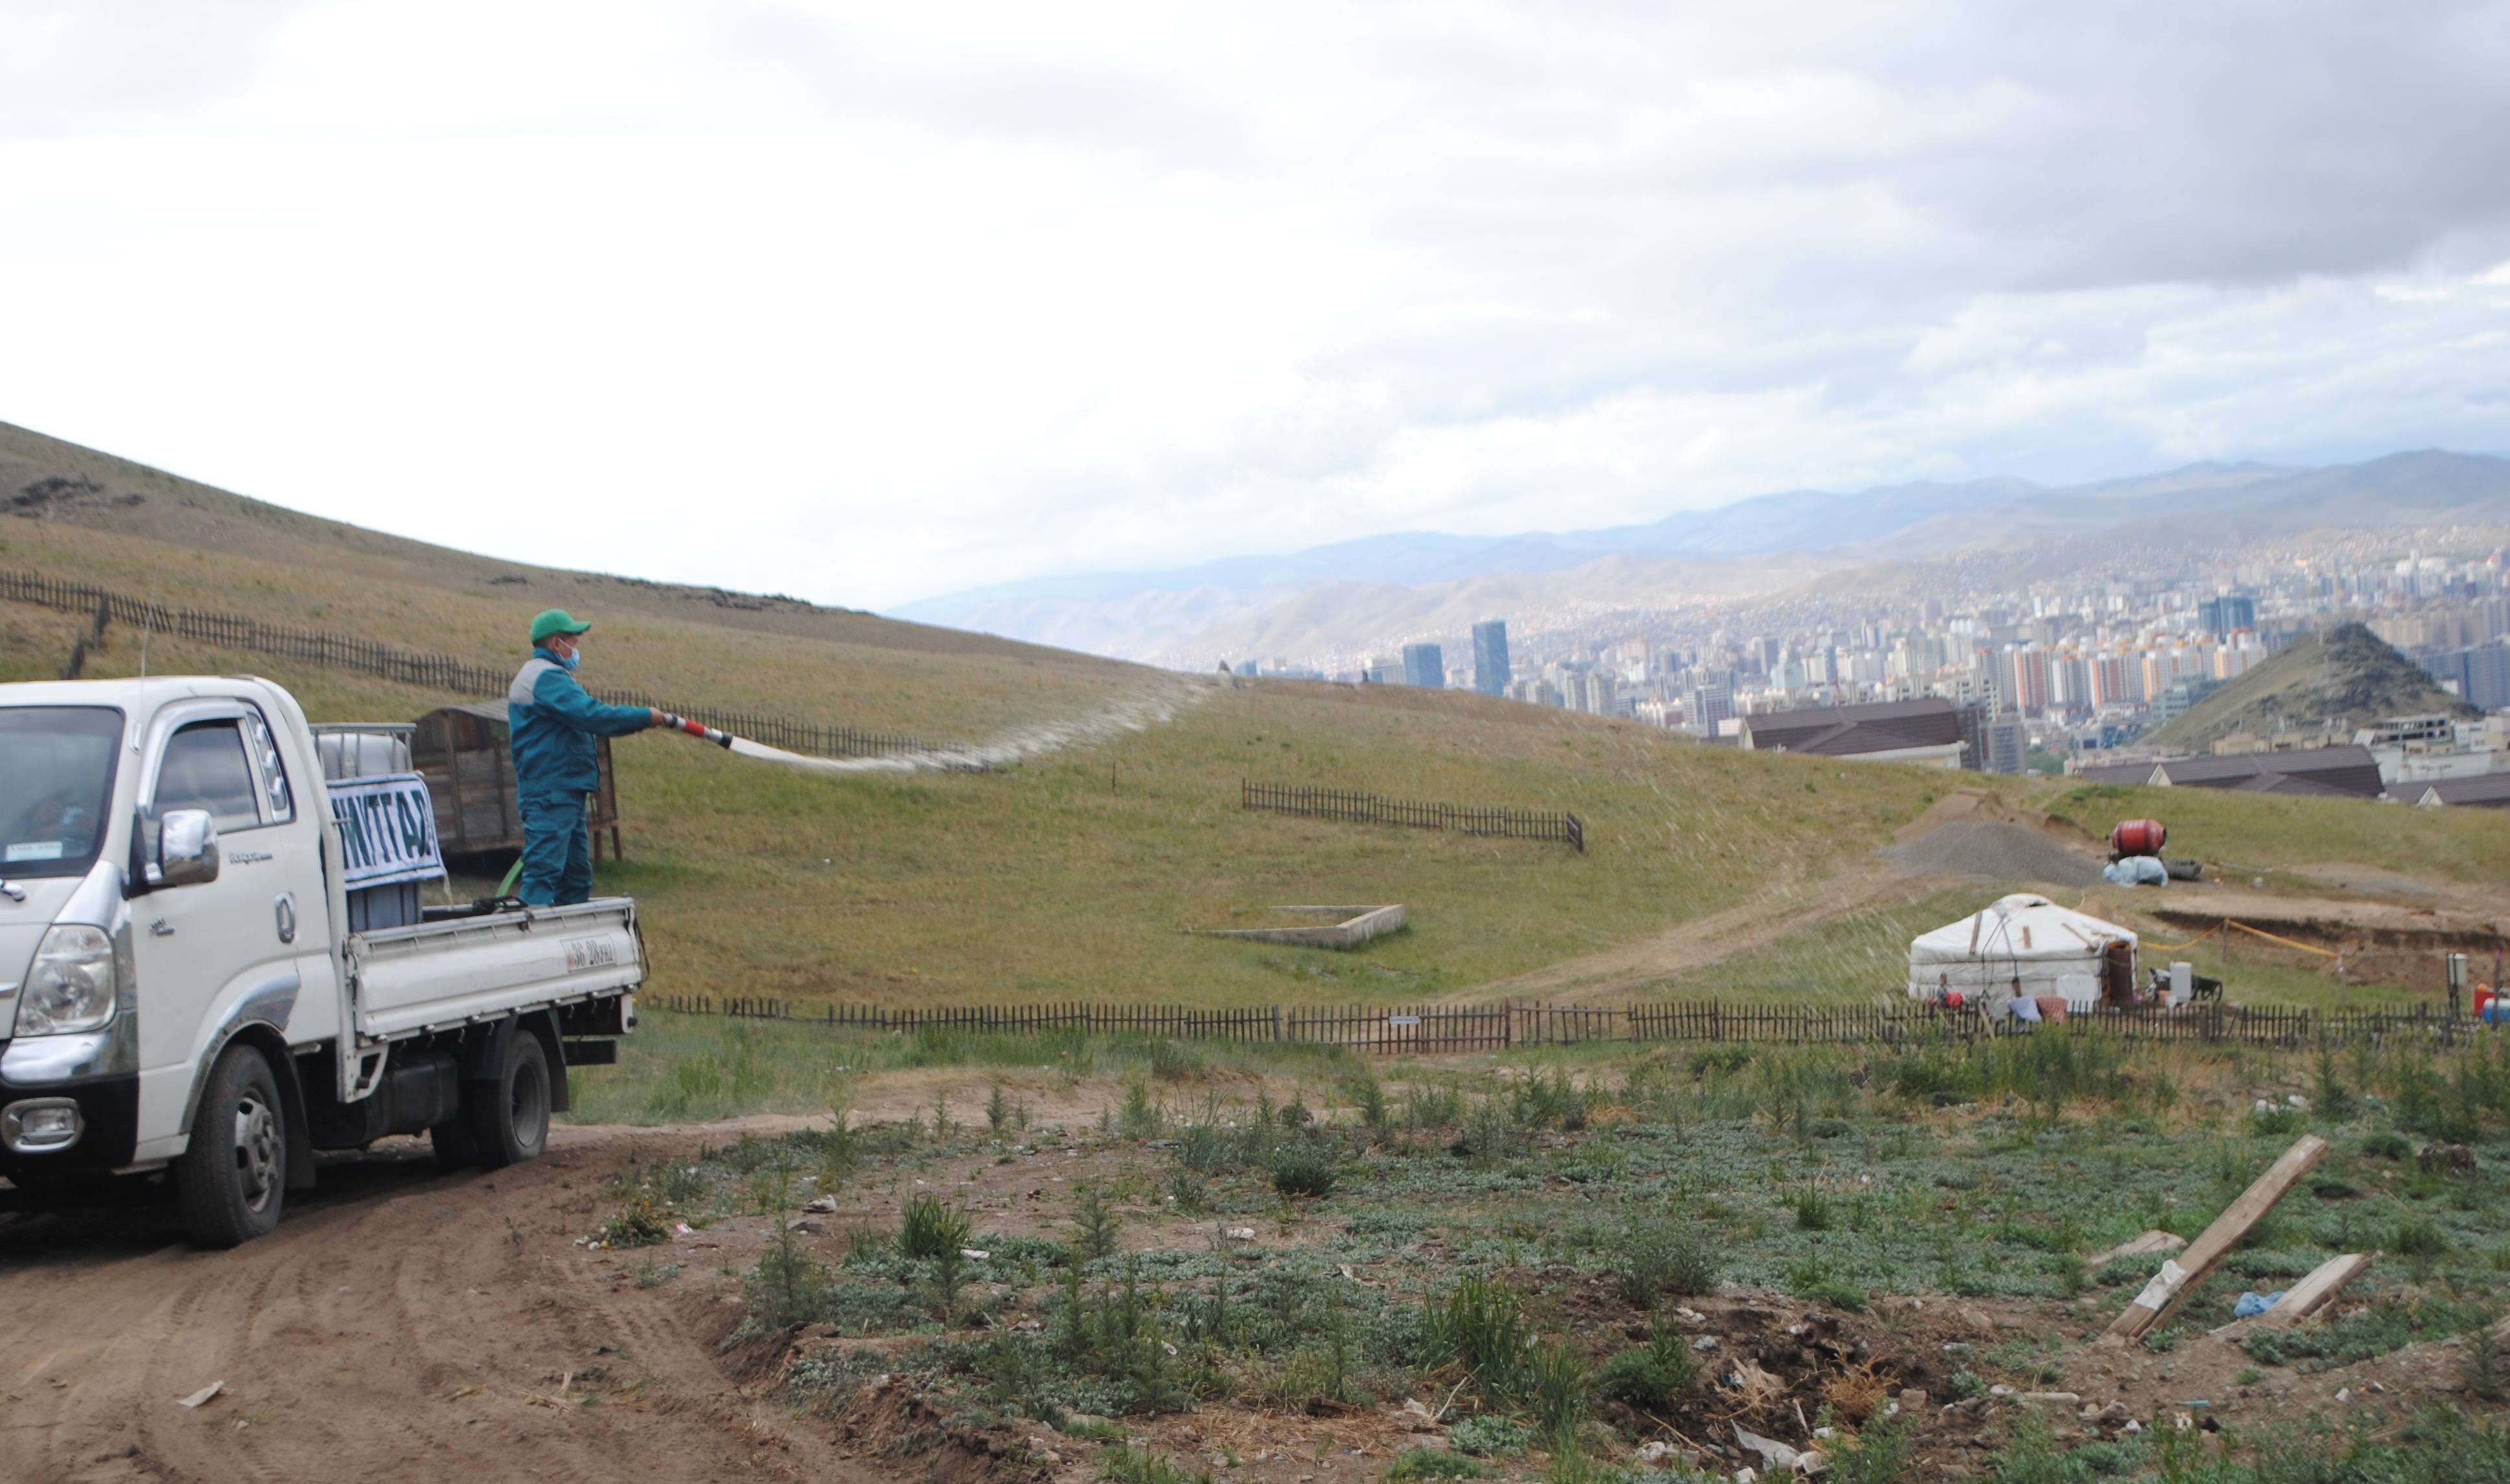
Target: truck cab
[{"x": 182, "y": 996}]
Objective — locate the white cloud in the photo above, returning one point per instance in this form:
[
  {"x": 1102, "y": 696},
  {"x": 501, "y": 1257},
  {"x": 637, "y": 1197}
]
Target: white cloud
[{"x": 868, "y": 302}]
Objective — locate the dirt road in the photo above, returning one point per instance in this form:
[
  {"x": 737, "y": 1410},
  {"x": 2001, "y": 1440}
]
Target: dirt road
[{"x": 400, "y": 1324}]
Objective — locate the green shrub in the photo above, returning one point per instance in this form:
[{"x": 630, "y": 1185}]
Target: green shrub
[
  {"x": 2387, "y": 1146},
  {"x": 1659, "y": 1258},
  {"x": 930, "y": 1227},
  {"x": 788, "y": 1286},
  {"x": 1648, "y": 1378},
  {"x": 2417, "y": 1238},
  {"x": 640, "y": 1223},
  {"x": 1481, "y": 1329},
  {"x": 1878, "y": 1455},
  {"x": 1491, "y": 1436},
  {"x": 2365, "y": 1334},
  {"x": 1420, "y": 1464},
  {"x": 1094, "y": 1224},
  {"x": 1121, "y": 1463},
  {"x": 1302, "y": 1169},
  {"x": 2485, "y": 1366},
  {"x": 1370, "y": 1099},
  {"x": 1812, "y": 1212},
  {"x": 1556, "y": 1391},
  {"x": 1142, "y": 1119},
  {"x": 2276, "y": 1122}
]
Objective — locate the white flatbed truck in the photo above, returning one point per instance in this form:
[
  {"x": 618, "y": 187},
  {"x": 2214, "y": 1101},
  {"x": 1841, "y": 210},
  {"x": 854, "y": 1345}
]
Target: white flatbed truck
[{"x": 181, "y": 991}]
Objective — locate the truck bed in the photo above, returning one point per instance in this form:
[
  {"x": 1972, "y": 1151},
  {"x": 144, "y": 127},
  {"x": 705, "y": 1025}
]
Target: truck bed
[{"x": 439, "y": 976}]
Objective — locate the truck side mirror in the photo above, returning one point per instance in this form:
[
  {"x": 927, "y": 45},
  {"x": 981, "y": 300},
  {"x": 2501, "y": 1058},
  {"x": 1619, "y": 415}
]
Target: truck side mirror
[{"x": 179, "y": 848}]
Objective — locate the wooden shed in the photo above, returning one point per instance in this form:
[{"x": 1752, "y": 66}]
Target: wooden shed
[{"x": 467, "y": 760}]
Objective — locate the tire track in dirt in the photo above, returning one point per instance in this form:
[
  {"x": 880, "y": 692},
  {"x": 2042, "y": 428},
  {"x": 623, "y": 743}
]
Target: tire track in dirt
[
  {"x": 1787, "y": 907},
  {"x": 399, "y": 1324}
]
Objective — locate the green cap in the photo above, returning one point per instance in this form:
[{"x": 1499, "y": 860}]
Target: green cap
[{"x": 555, "y": 620}]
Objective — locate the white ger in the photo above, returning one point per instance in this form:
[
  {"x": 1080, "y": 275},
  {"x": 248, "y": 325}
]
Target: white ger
[
  {"x": 2024, "y": 947},
  {"x": 190, "y": 987}
]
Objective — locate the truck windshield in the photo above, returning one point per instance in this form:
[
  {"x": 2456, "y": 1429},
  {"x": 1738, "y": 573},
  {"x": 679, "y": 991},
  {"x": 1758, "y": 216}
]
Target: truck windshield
[{"x": 56, "y": 781}]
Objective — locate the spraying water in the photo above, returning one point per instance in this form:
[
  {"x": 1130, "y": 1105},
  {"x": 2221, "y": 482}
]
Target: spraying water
[{"x": 1136, "y": 712}]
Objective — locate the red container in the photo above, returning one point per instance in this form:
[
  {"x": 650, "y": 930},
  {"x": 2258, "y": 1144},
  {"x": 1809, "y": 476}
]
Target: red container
[{"x": 2139, "y": 837}]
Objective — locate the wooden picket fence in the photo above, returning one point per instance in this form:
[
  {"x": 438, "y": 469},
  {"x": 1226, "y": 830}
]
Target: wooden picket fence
[
  {"x": 1498, "y": 1026},
  {"x": 429, "y": 671},
  {"x": 1375, "y": 808}
]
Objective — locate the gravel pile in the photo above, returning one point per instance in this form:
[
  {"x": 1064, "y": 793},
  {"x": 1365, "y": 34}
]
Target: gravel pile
[{"x": 1995, "y": 852}]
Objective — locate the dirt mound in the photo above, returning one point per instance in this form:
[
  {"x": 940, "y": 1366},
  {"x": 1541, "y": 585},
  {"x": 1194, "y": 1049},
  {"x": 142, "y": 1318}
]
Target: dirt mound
[
  {"x": 1987, "y": 806},
  {"x": 1993, "y": 851}
]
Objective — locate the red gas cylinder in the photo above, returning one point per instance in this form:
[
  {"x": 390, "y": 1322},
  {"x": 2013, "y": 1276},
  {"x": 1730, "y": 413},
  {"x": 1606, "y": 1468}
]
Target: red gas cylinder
[{"x": 2139, "y": 837}]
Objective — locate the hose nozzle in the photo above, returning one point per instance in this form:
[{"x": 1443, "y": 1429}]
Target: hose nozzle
[{"x": 697, "y": 728}]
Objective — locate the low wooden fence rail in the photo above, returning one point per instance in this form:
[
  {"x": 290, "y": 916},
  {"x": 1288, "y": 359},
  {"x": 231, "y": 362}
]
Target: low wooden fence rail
[
  {"x": 431, "y": 671},
  {"x": 1450, "y": 1029},
  {"x": 1374, "y": 809}
]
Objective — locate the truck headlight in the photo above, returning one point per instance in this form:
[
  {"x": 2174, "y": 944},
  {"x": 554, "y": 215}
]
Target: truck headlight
[{"x": 72, "y": 984}]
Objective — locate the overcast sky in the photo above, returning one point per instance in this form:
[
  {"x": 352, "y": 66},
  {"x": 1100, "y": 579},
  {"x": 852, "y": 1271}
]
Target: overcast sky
[{"x": 866, "y": 303}]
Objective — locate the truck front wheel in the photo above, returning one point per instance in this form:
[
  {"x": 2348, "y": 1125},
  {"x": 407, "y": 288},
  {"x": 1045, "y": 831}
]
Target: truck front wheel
[
  {"x": 510, "y": 1120},
  {"x": 233, "y": 1177}
]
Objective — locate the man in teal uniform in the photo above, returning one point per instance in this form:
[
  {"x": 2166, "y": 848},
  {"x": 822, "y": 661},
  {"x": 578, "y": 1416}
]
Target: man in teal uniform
[{"x": 557, "y": 762}]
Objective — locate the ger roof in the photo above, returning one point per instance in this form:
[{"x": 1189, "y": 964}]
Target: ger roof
[
  {"x": 2348, "y": 770},
  {"x": 2485, "y": 790},
  {"x": 2022, "y": 927},
  {"x": 1845, "y": 731}
]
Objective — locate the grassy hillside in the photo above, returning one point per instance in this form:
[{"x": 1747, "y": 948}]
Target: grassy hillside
[
  {"x": 1081, "y": 873},
  {"x": 90, "y": 517},
  {"x": 1078, "y": 876},
  {"x": 2333, "y": 681}
]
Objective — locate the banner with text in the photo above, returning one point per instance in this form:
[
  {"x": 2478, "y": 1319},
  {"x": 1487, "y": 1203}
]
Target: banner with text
[{"x": 387, "y": 829}]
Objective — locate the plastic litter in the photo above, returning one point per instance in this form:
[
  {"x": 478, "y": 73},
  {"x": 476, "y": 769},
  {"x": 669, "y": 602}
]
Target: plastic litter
[
  {"x": 973, "y": 1254},
  {"x": 1774, "y": 1455},
  {"x": 2251, "y": 1305},
  {"x": 2135, "y": 871},
  {"x": 203, "y": 1394}
]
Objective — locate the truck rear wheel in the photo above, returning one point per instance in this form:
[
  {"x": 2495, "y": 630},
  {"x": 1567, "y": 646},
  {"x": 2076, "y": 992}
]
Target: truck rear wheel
[
  {"x": 510, "y": 1119},
  {"x": 455, "y": 1147},
  {"x": 233, "y": 1178}
]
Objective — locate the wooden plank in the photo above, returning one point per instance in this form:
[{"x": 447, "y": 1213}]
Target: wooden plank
[
  {"x": 2310, "y": 1294},
  {"x": 2302, "y": 1299},
  {"x": 2163, "y": 1295},
  {"x": 2134, "y": 1246}
]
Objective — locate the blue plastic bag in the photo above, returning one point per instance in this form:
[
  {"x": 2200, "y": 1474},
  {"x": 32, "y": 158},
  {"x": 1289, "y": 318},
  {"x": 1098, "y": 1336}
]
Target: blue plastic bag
[{"x": 2251, "y": 1305}]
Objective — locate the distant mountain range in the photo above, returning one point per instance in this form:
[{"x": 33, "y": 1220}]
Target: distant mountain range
[{"x": 1356, "y": 593}]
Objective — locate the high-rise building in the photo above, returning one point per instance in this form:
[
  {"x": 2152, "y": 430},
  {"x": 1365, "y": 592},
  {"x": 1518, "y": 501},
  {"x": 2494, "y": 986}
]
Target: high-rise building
[
  {"x": 2114, "y": 682},
  {"x": 2024, "y": 679},
  {"x": 1425, "y": 665},
  {"x": 1489, "y": 658},
  {"x": 2480, "y": 674},
  {"x": 1710, "y": 705},
  {"x": 1589, "y": 690},
  {"x": 2003, "y": 742},
  {"x": 2227, "y": 614}
]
